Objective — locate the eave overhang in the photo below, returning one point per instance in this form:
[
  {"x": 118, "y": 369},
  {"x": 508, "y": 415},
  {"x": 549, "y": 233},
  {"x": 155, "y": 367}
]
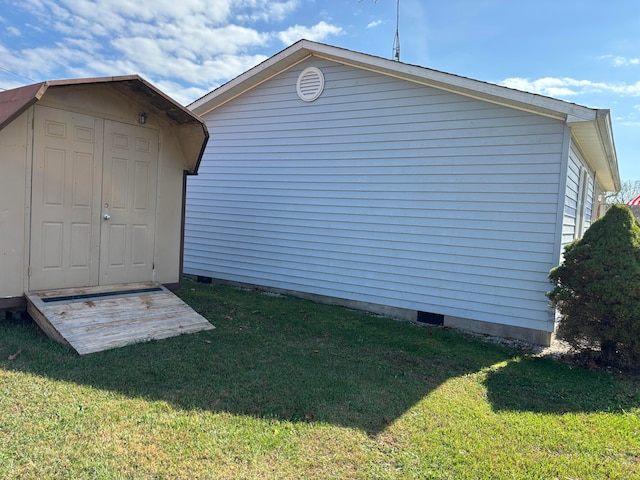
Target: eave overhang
[
  {"x": 595, "y": 140},
  {"x": 590, "y": 128}
]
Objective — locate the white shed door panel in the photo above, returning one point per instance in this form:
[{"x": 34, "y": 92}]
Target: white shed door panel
[
  {"x": 93, "y": 201},
  {"x": 63, "y": 199},
  {"x": 128, "y": 203}
]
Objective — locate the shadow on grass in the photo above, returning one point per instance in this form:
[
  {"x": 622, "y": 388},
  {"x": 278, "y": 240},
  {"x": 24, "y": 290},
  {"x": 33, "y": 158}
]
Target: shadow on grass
[
  {"x": 542, "y": 385},
  {"x": 290, "y": 359},
  {"x": 281, "y": 358}
]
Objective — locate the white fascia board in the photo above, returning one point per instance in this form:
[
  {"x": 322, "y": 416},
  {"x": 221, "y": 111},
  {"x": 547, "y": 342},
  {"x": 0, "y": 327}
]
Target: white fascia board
[
  {"x": 595, "y": 140},
  {"x": 303, "y": 49},
  {"x": 587, "y": 124},
  {"x": 456, "y": 84},
  {"x": 253, "y": 77},
  {"x": 605, "y": 132}
]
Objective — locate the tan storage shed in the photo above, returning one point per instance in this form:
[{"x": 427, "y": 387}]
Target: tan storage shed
[{"x": 92, "y": 185}]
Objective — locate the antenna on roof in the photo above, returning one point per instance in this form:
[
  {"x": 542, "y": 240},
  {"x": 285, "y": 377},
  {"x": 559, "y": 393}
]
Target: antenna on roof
[{"x": 396, "y": 40}]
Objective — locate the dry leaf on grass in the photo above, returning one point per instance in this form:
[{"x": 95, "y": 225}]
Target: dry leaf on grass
[{"x": 15, "y": 355}]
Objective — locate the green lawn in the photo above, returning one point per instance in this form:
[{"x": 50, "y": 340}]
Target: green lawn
[{"x": 286, "y": 388}]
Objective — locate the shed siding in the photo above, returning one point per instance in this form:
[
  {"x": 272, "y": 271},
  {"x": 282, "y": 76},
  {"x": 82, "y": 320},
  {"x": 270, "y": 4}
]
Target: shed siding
[
  {"x": 380, "y": 191},
  {"x": 13, "y": 181}
]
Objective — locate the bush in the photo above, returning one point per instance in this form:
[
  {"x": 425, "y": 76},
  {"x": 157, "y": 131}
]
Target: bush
[{"x": 597, "y": 290}]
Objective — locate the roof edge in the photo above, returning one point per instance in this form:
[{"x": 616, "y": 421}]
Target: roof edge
[
  {"x": 24, "y": 98},
  {"x": 15, "y": 101},
  {"x": 302, "y": 49},
  {"x": 605, "y": 131},
  {"x": 595, "y": 139},
  {"x": 586, "y": 123},
  {"x": 256, "y": 75},
  {"x": 122, "y": 78},
  {"x": 479, "y": 89},
  {"x": 81, "y": 81}
]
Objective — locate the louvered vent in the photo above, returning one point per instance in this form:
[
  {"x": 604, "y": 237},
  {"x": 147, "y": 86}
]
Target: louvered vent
[{"x": 310, "y": 84}]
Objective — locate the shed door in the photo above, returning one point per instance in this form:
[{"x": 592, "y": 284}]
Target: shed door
[
  {"x": 64, "y": 197},
  {"x": 128, "y": 203},
  {"x": 83, "y": 169}
]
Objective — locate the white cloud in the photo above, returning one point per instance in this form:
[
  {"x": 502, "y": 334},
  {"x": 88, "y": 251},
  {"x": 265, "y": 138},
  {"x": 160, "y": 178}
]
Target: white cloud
[
  {"x": 110, "y": 12},
  {"x": 187, "y": 47},
  {"x": 566, "y": 87},
  {"x": 180, "y": 93},
  {"x": 268, "y": 11},
  {"x": 205, "y": 42},
  {"x": 619, "y": 61},
  {"x": 632, "y": 119},
  {"x": 375, "y": 23},
  {"x": 11, "y": 30},
  {"x": 183, "y": 40},
  {"x": 623, "y": 62},
  {"x": 317, "y": 33},
  {"x": 31, "y": 63}
]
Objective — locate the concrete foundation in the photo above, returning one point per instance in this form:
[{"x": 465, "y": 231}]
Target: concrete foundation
[
  {"x": 528, "y": 335},
  {"x": 535, "y": 337}
]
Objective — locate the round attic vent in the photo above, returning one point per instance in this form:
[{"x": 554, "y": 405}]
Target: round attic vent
[{"x": 310, "y": 84}]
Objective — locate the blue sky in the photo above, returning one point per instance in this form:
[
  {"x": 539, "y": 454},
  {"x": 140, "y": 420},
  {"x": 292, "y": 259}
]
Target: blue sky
[{"x": 582, "y": 51}]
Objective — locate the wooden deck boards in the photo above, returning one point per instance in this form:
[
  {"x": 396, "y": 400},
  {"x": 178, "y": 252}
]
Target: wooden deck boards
[{"x": 90, "y": 321}]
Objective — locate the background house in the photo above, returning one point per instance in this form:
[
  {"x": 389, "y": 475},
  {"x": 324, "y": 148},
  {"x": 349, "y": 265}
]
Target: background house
[
  {"x": 634, "y": 205},
  {"x": 395, "y": 188}
]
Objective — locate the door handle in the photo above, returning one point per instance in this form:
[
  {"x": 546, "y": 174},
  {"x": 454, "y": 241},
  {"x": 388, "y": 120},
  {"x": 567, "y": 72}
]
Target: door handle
[{"x": 106, "y": 216}]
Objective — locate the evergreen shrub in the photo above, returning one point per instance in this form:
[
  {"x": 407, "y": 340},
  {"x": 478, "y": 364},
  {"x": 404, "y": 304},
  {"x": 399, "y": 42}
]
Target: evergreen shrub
[{"x": 597, "y": 290}]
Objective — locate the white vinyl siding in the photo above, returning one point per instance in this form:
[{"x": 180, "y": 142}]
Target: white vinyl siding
[
  {"x": 589, "y": 205},
  {"x": 380, "y": 191},
  {"x": 579, "y": 197}
]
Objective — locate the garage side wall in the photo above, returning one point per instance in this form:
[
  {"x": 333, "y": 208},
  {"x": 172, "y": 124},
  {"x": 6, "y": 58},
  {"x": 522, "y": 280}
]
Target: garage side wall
[
  {"x": 380, "y": 191},
  {"x": 13, "y": 182}
]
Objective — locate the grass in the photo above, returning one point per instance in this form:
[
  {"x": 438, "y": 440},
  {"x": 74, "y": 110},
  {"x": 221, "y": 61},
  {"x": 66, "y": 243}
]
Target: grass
[{"x": 286, "y": 388}]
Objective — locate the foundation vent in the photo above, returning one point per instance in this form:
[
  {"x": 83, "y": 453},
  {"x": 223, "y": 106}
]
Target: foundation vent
[
  {"x": 430, "y": 318},
  {"x": 310, "y": 84}
]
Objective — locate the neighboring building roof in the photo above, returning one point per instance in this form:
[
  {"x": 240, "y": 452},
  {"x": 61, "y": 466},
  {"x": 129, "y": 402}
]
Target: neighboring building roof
[
  {"x": 591, "y": 128},
  {"x": 634, "y": 201},
  {"x": 192, "y": 136}
]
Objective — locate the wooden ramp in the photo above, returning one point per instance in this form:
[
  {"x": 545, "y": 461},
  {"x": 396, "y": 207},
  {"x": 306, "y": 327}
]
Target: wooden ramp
[{"x": 94, "y": 319}]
